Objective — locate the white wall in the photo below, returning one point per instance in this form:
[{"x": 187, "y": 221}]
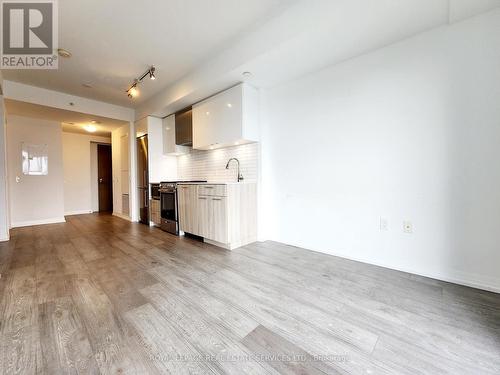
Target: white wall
[
  {"x": 35, "y": 199},
  {"x": 408, "y": 132},
  {"x": 4, "y": 204},
  {"x": 78, "y": 182}
]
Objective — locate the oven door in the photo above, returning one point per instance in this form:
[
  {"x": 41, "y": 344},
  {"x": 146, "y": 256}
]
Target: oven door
[{"x": 168, "y": 205}]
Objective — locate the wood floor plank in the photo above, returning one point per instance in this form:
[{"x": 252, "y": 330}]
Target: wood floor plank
[
  {"x": 207, "y": 335},
  {"x": 405, "y": 357},
  {"x": 167, "y": 348},
  {"x": 65, "y": 345},
  {"x": 19, "y": 335},
  {"x": 105, "y": 328},
  {"x": 235, "y": 320},
  {"x": 285, "y": 357},
  {"x": 86, "y": 249}
]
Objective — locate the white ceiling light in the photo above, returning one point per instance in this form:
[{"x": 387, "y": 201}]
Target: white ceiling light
[{"x": 90, "y": 128}]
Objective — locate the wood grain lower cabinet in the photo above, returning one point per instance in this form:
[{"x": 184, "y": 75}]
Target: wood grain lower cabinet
[
  {"x": 187, "y": 196},
  {"x": 155, "y": 213},
  {"x": 229, "y": 221},
  {"x": 218, "y": 224},
  {"x": 203, "y": 217}
]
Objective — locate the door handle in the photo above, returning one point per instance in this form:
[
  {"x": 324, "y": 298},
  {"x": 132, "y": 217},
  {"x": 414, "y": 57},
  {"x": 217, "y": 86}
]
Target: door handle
[{"x": 100, "y": 180}]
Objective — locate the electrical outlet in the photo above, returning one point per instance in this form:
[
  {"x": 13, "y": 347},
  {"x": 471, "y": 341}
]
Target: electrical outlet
[
  {"x": 384, "y": 224},
  {"x": 407, "y": 226}
]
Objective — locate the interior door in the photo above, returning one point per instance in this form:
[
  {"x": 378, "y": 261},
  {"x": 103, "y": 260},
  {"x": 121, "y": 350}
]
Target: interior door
[{"x": 105, "y": 179}]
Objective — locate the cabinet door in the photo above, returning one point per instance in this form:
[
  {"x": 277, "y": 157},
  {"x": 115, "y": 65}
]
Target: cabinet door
[
  {"x": 188, "y": 209},
  {"x": 218, "y": 223},
  {"x": 204, "y": 216},
  {"x": 218, "y": 120},
  {"x": 155, "y": 211},
  {"x": 169, "y": 135},
  {"x": 203, "y": 125}
]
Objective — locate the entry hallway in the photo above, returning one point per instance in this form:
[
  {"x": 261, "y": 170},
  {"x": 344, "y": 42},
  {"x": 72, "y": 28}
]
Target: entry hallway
[{"x": 99, "y": 294}]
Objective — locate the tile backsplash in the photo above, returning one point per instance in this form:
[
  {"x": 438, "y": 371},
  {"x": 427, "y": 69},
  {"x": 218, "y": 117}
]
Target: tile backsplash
[{"x": 211, "y": 165}]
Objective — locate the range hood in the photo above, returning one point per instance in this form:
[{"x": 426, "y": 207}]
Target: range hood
[{"x": 184, "y": 127}]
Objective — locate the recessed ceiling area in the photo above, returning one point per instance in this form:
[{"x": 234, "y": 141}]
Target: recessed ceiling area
[
  {"x": 71, "y": 122},
  {"x": 114, "y": 41}
]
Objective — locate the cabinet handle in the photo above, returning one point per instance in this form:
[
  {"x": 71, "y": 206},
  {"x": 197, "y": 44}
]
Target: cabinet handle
[
  {"x": 216, "y": 199},
  {"x": 202, "y": 197},
  {"x": 208, "y": 187}
]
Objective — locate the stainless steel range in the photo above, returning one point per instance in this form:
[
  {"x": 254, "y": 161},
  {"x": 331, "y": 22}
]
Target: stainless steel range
[{"x": 169, "y": 206}]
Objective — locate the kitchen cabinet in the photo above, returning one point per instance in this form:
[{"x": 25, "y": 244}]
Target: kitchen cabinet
[
  {"x": 218, "y": 210},
  {"x": 169, "y": 145},
  {"x": 155, "y": 213},
  {"x": 212, "y": 216},
  {"x": 188, "y": 208},
  {"x": 227, "y": 119},
  {"x": 223, "y": 214},
  {"x": 204, "y": 215}
]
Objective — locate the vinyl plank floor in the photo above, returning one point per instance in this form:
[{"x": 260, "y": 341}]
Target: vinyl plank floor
[{"x": 101, "y": 295}]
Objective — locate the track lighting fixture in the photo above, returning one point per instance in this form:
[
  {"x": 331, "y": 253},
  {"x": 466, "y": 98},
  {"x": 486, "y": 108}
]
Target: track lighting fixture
[{"x": 132, "y": 91}]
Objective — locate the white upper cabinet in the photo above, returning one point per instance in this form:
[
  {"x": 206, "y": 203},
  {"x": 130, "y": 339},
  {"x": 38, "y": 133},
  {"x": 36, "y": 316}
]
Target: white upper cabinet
[
  {"x": 169, "y": 146},
  {"x": 227, "y": 119}
]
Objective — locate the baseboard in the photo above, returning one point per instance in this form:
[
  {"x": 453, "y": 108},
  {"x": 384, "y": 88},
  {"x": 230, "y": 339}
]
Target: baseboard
[
  {"x": 454, "y": 277},
  {"x": 30, "y": 223},
  {"x": 122, "y": 216},
  {"x": 81, "y": 212},
  {"x": 4, "y": 239},
  {"x": 489, "y": 284},
  {"x": 232, "y": 245}
]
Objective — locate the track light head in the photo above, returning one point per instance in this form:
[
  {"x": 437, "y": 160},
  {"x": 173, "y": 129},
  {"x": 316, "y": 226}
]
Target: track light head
[
  {"x": 132, "y": 92},
  {"x": 152, "y": 73}
]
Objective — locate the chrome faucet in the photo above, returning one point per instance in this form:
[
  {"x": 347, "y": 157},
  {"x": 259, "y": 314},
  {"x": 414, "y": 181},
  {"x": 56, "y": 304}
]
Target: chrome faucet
[{"x": 240, "y": 176}]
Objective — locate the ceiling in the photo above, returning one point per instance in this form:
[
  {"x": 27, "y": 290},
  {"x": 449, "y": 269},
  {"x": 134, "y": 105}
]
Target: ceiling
[
  {"x": 71, "y": 122},
  {"x": 309, "y": 36},
  {"x": 200, "y": 47},
  {"x": 115, "y": 41}
]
